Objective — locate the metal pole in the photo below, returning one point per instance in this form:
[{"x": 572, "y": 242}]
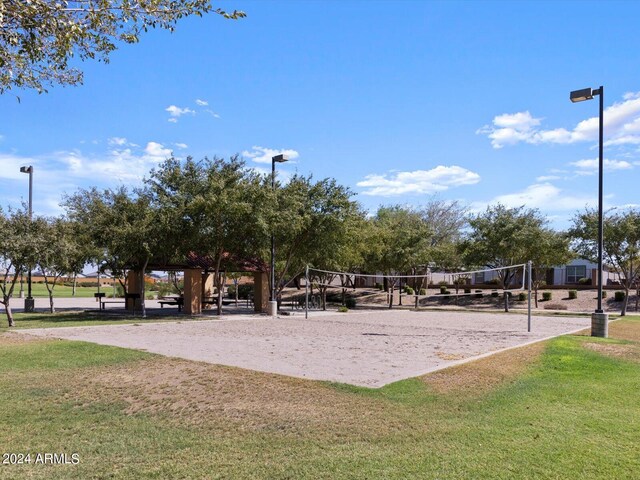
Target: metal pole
[
  {"x": 529, "y": 264},
  {"x": 306, "y": 292},
  {"x": 273, "y": 305},
  {"x": 600, "y": 207},
  {"x": 29, "y": 305}
]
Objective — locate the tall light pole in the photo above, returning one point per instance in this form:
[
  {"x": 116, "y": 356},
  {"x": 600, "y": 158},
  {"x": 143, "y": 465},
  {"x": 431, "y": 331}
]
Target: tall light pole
[
  {"x": 28, "y": 302},
  {"x": 599, "y": 319},
  {"x": 273, "y": 304}
]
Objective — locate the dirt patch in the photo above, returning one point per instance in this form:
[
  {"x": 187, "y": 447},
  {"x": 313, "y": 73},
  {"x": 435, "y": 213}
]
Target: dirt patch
[
  {"x": 486, "y": 373},
  {"x": 199, "y": 393},
  {"x": 625, "y": 330},
  {"x": 11, "y": 338},
  {"x": 617, "y": 350}
]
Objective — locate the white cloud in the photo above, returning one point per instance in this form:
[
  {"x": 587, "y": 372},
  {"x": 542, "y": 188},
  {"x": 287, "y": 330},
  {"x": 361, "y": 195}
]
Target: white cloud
[
  {"x": 177, "y": 112},
  {"x": 181, "y": 145},
  {"x": 156, "y": 152},
  {"x": 547, "y": 178},
  {"x": 543, "y": 196},
  {"x": 592, "y": 164},
  {"x": 212, "y": 113},
  {"x": 117, "y": 141},
  {"x": 621, "y": 127},
  {"x": 418, "y": 182},
  {"x": 201, "y": 103},
  {"x": 264, "y": 155},
  {"x": 11, "y": 166}
]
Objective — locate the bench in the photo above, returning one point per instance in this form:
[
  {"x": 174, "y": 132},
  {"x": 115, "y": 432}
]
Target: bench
[
  {"x": 172, "y": 301},
  {"x": 104, "y": 302}
]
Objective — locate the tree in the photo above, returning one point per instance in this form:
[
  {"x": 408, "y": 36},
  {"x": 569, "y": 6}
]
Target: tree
[
  {"x": 60, "y": 252},
  {"x": 400, "y": 242},
  {"x": 621, "y": 244},
  {"x": 18, "y": 253},
  {"x": 218, "y": 204},
  {"x": 311, "y": 223},
  {"x": 39, "y": 38},
  {"x": 124, "y": 228},
  {"x": 501, "y": 237},
  {"x": 548, "y": 249}
]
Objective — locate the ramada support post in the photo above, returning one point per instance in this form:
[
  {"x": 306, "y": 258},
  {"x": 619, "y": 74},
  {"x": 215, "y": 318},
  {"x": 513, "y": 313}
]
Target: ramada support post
[
  {"x": 193, "y": 291},
  {"x": 260, "y": 292}
]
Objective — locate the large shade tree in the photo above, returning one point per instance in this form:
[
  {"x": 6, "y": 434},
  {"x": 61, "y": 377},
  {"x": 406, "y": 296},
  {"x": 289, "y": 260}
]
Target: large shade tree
[
  {"x": 125, "y": 229},
  {"x": 501, "y": 237},
  {"x": 400, "y": 242},
  {"x": 18, "y": 252},
  {"x": 621, "y": 244},
  {"x": 218, "y": 207},
  {"x": 313, "y": 222},
  {"x": 39, "y": 39}
]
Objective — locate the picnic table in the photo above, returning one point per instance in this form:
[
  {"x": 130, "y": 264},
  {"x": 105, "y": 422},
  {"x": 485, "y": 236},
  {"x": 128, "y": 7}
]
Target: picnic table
[{"x": 179, "y": 301}]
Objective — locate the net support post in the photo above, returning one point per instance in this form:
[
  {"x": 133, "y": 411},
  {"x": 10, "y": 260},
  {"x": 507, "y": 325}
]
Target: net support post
[
  {"x": 529, "y": 265},
  {"x": 306, "y": 292}
]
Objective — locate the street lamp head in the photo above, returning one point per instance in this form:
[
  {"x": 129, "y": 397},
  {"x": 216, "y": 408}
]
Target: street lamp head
[
  {"x": 581, "y": 95},
  {"x": 280, "y": 158},
  {"x": 28, "y": 169}
]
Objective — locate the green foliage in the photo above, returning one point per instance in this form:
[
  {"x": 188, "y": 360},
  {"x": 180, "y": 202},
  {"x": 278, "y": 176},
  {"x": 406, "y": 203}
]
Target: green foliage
[
  {"x": 343, "y": 309},
  {"x": 379, "y": 286},
  {"x": 350, "y": 303},
  {"x": 244, "y": 290},
  {"x": 443, "y": 289},
  {"x": 40, "y": 37},
  {"x": 546, "y": 296},
  {"x": 573, "y": 294},
  {"x": 522, "y": 296},
  {"x": 621, "y": 243},
  {"x": 604, "y": 294},
  {"x": 584, "y": 281},
  {"x": 478, "y": 294},
  {"x": 423, "y": 291},
  {"x": 619, "y": 296},
  {"x": 408, "y": 290}
]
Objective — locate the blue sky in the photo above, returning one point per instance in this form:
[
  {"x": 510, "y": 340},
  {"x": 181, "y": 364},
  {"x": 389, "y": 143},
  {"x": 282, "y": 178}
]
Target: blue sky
[{"x": 400, "y": 101}]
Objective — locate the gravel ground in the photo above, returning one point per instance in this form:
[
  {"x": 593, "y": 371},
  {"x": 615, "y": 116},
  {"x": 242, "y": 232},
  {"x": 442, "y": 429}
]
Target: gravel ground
[{"x": 370, "y": 349}]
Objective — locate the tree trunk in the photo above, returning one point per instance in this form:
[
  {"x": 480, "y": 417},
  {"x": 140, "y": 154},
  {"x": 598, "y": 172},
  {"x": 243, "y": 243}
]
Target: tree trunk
[
  {"x": 75, "y": 281},
  {"x": 506, "y": 301},
  {"x": 625, "y": 302},
  {"x": 52, "y": 308},
  {"x": 7, "y": 309},
  {"x": 237, "y": 284},
  {"x": 391, "y": 295},
  {"x": 535, "y": 294}
]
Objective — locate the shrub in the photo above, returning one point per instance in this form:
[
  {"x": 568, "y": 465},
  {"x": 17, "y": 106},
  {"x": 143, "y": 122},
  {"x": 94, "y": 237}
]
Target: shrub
[
  {"x": 350, "y": 303},
  {"x": 150, "y": 296},
  {"x": 478, "y": 294},
  {"x": 243, "y": 290},
  {"x": 467, "y": 290},
  {"x": 522, "y": 296},
  {"x": 445, "y": 292},
  {"x": 494, "y": 293},
  {"x": 343, "y": 309},
  {"x": 546, "y": 296},
  {"x": 573, "y": 294},
  {"x": 619, "y": 296},
  {"x": 584, "y": 281},
  {"x": 493, "y": 281},
  {"x": 423, "y": 291},
  {"x": 443, "y": 283},
  {"x": 443, "y": 289},
  {"x": 408, "y": 290},
  {"x": 119, "y": 290},
  {"x": 378, "y": 286},
  {"x": 555, "y": 306}
]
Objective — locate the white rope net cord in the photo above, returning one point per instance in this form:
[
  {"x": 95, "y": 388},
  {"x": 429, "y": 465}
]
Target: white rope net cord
[{"x": 348, "y": 280}]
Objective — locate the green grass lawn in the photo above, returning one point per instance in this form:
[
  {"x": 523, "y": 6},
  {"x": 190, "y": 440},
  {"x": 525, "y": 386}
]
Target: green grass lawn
[
  {"x": 82, "y": 319},
  {"x": 569, "y": 408},
  {"x": 62, "y": 291}
]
